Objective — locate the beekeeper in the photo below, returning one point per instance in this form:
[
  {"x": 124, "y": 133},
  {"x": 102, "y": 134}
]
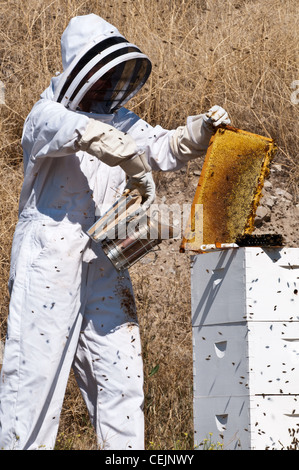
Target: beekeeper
[{"x": 69, "y": 307}]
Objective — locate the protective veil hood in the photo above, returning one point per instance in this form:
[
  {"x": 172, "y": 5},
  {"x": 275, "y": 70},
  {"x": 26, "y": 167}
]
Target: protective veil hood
[{"x": 97, "y": 59}]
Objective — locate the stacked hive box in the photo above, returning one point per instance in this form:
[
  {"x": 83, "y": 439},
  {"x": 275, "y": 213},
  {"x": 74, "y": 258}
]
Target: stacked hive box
[{"x": 245, "y": 317}]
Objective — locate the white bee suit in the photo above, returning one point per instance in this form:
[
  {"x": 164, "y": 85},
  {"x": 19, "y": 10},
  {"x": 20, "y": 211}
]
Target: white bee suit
[{"x": 69, "y": 306}]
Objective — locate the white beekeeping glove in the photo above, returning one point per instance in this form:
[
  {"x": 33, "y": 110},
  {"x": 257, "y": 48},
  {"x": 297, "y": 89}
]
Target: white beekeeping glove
[
  {"x": 146, "y": 186},
  {"x": 114, "y": 147},
  {"x": 218, "y": 116}
]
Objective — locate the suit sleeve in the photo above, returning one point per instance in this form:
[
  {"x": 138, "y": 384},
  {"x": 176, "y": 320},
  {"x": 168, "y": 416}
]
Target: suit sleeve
[
  {"x": 51, "y": 130},
  {"x": 170, "y": 150}
]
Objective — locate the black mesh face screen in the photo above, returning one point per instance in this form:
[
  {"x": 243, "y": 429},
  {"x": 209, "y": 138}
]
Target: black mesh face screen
[
  {"x": 130, "y": 78},
  {"x": 124, "y": 81},
  {"x": 119, "y": 74},
  {"x": 128, "y": 72},
  {"x": 97, "y": 49}
]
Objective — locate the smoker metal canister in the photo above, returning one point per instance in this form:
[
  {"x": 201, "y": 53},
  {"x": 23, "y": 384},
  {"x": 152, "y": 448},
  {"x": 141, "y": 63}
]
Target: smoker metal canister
[{"x": 124, "y": 253}]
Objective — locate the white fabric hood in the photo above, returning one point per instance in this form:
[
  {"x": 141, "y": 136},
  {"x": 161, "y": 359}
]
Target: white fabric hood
[{"x": 92, "y": 50}]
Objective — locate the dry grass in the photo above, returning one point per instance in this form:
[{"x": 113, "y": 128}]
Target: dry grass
[{"x": 241, "y": 54}]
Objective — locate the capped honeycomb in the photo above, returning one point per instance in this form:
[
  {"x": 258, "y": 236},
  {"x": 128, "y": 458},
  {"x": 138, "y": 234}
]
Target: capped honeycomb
[{"x": 229, "y": 188}]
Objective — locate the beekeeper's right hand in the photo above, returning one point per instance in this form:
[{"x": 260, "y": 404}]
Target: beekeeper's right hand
[{"x": 114, "y": 147}]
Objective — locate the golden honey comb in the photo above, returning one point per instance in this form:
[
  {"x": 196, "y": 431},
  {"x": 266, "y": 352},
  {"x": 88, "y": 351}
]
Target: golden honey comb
[{"x": 229, "y": 188}]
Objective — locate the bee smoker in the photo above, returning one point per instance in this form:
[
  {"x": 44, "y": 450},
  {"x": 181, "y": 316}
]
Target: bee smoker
[{"x": 127, "y": 233}]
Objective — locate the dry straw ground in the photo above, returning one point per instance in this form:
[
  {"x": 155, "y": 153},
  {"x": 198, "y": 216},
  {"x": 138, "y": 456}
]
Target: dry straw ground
[{"x": 241, "y": 54}]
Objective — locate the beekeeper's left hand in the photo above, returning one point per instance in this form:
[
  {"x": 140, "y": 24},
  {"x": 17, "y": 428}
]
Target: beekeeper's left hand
[
  {"x": 218, "y": 116},
  {"x": 145, "y": 185}
]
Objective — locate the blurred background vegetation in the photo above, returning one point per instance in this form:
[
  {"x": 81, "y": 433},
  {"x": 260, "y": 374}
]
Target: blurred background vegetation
[{"x": 240, "y": 54}]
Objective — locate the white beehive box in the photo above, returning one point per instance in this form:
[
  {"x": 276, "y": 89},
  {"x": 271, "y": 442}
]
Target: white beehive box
[
  {"x": 257, "y": 284},
  {"x": 245, "y": 317},
  {"x": 247, "y": 422}
]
